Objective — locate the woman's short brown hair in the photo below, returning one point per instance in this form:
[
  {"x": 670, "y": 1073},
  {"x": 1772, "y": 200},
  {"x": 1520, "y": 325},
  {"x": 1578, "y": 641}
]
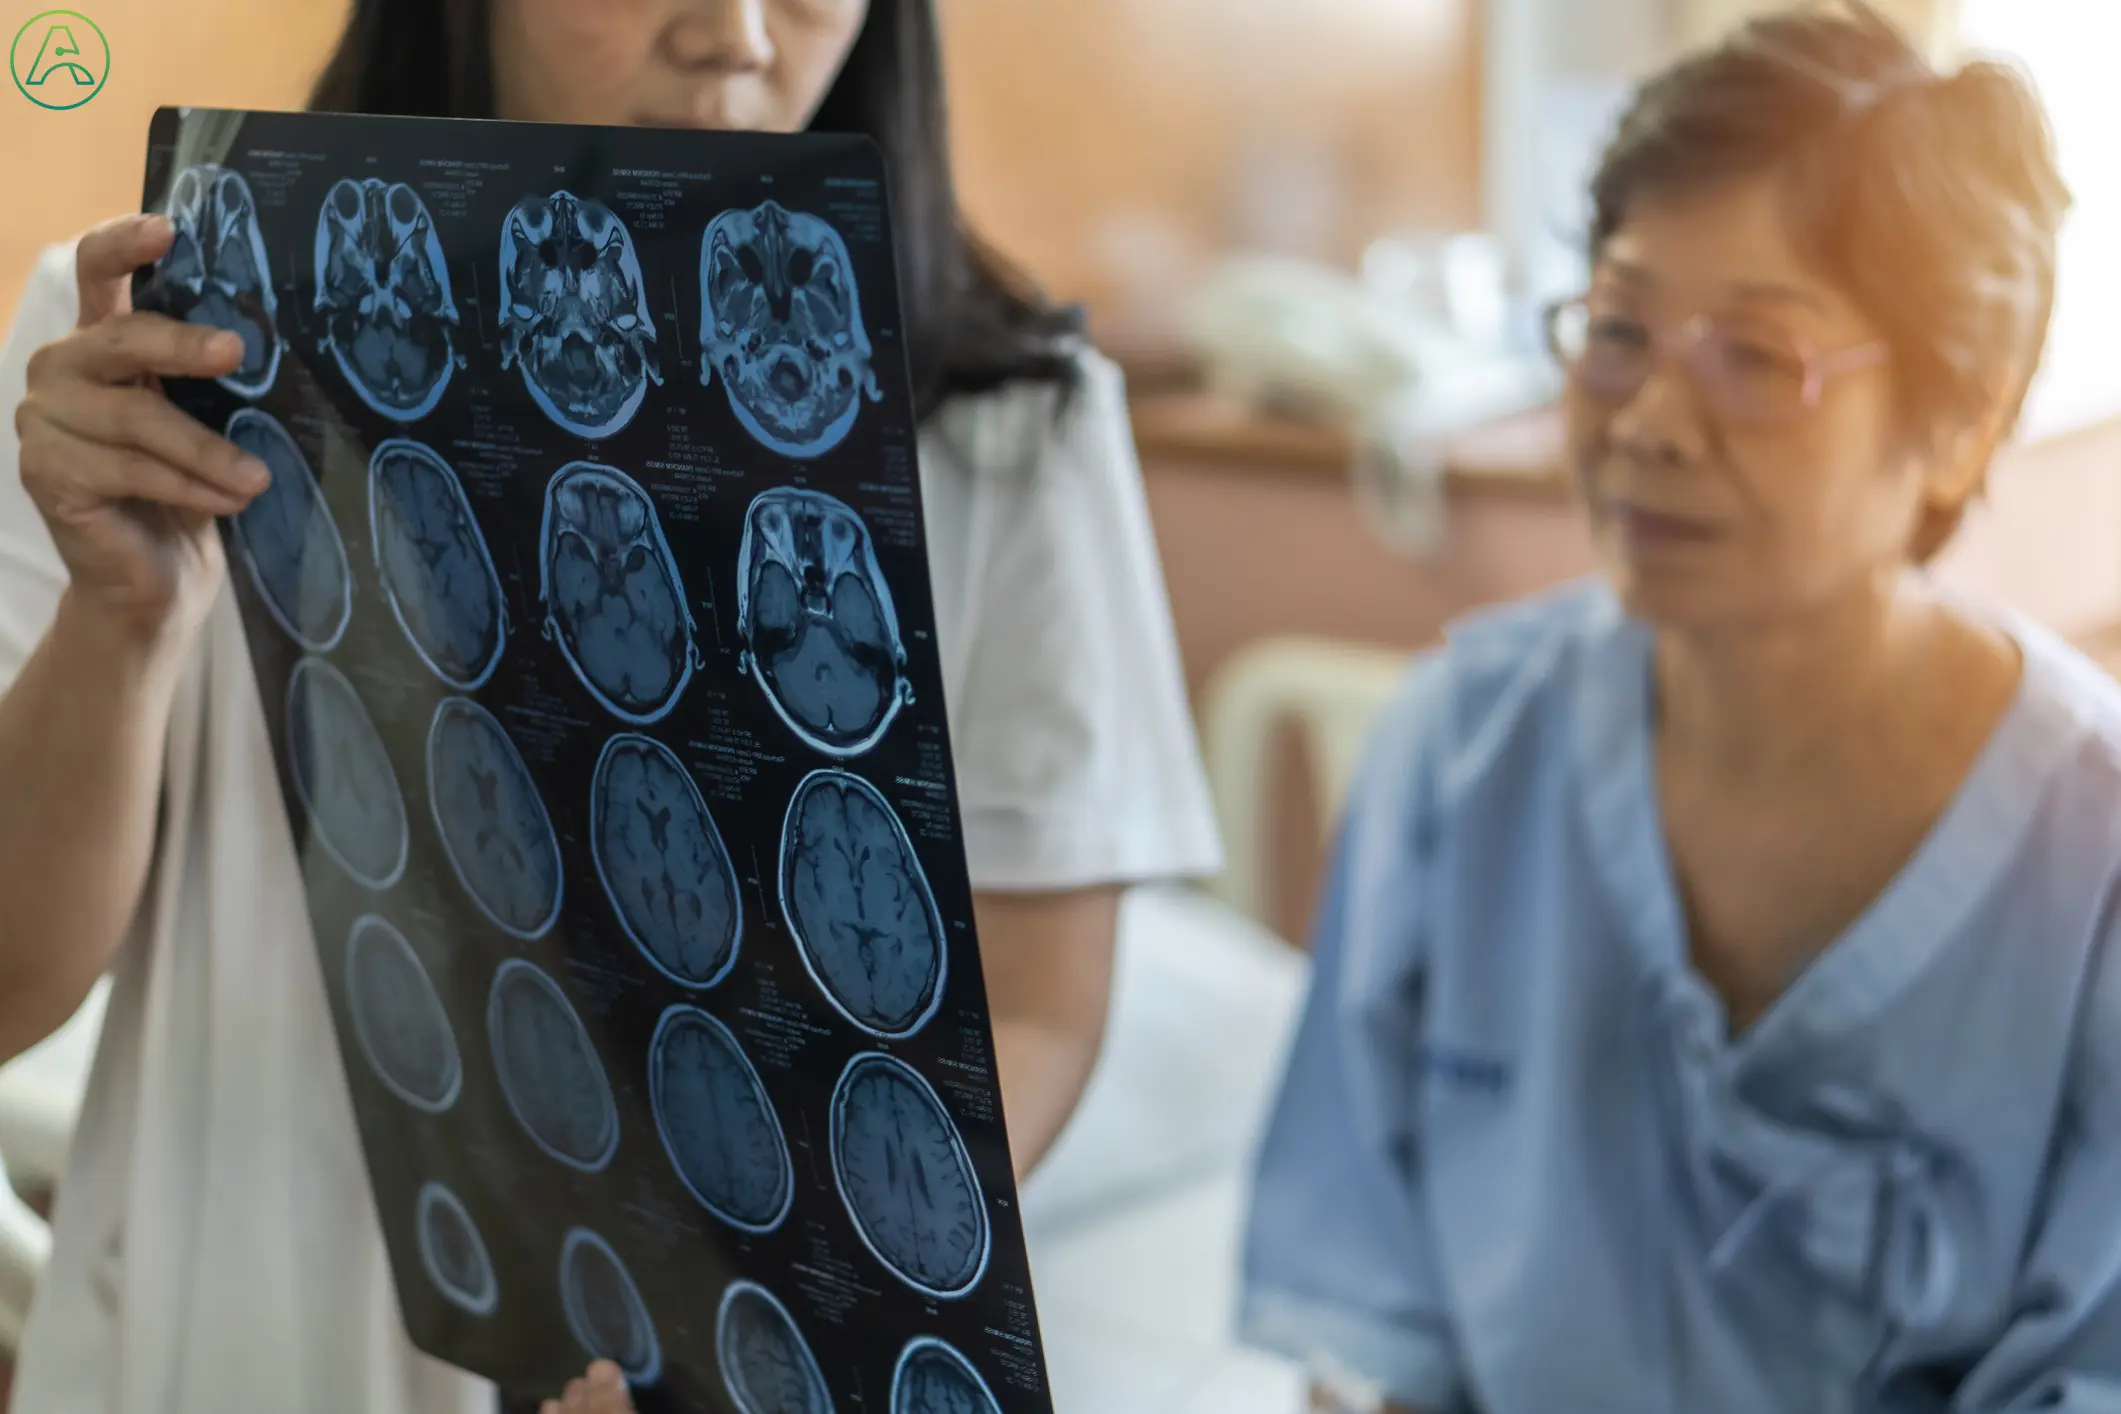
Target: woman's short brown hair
[{"x": 1931, "y": 200}]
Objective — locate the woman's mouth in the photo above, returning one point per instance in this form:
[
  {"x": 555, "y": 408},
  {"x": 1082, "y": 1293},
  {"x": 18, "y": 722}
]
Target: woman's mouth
[{"x": 1641, "y": 528}]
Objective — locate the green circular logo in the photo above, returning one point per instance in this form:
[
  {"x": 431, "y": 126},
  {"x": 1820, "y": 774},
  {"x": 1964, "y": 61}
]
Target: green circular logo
[{"x": 59, "y": 59}]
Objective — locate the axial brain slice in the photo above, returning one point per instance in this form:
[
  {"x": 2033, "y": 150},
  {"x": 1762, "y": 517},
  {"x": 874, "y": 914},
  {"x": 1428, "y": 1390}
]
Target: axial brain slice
[
  {"x": 906, "y": 1178},
  {"x": 575, "y": 312},
  {"x": 549, "y": 1071},
  {"x": 398, "y": 1018},
  {"x": 342, "y": 775},
  {"x": 612, "y": 595},
  {"x": 604, "y": 1308},
  {"x": 813, "y": 608},
  {"x": 288, "y": 540},
  {"x": 781, "y": 322},
  {"x": 216, "y": 272},
  {"x": 717, "y": 1122},
  {"x": 434, "y": 564},
  {"x": 859, "y": 905},
  {"x": 933, "y": 1378},
  {"x": 767, "y": 1366},
  {"x": 453, "y": 1253},
  {"x": 383, "y": 289},
  {"x": 662, "y": 861},
  {"x": 493, "y": 824}
]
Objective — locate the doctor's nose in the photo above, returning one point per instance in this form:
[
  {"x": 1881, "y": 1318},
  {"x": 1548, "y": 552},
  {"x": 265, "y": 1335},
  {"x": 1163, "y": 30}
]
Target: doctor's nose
[{"x": 723, "y": 36}]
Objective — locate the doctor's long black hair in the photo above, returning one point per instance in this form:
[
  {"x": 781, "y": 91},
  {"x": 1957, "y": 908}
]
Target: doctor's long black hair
[{"x": 973, "y": 322}]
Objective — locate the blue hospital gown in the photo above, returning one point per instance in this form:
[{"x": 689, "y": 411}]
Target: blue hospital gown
[{"x": 1519, "y": 1165}]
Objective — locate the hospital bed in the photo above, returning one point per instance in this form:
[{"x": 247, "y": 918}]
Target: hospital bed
[{"x": 1134, "y": 1219}]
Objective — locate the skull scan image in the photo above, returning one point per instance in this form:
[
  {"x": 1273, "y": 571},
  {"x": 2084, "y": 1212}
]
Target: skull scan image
[
  {"x": 907, "y": 1179},
  {"x": 611, "y": 592},
  {"x": 287, "y": 539},
  {"x": 492, "y": 821},
  {"x": 435, "y": 567},
  {"x": 574, "y": 312},
  {"x": 781, "y": 322},
  {"x": 216, "y": 272},
  {"x": 663, "y": 863},
  {"x": 383, "y": 289},
  {"x": 933, "y": 1378},
  {"x": 398, "y": 1018},
  {"x": 859, "y": 906},
  {"x": 452, "y": 1252},
  {"x": 821, "y": 635},
  {"x": 342, "y": 775},
  {"x": 766, "y": 1364},
  {"x": 604, "y": 1308},
  {"x": 717, "y": 1122},
  {"x": 550, "y": 1074}
]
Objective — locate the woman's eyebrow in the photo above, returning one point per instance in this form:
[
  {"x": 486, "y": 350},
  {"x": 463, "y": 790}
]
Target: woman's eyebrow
[{"x": 1765, "y": 292}]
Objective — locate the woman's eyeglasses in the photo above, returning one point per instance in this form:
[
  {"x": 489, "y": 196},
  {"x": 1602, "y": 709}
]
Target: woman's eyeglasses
[{"x": 1745, "y": 375}]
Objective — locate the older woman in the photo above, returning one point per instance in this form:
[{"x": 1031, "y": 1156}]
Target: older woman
[{"x": 1717, "y": 1004}]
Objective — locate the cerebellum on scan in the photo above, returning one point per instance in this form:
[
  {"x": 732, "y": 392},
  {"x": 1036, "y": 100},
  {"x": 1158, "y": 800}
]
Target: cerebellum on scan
[
  {"x": 781, "y": 325},
  {"x": 216, "y": 272},
  {"x": 574, "y": 312},
  {"x": 383, "y": 292},
  {"x": 614, "y": 601},
  {"x": 821, "y": 634}
]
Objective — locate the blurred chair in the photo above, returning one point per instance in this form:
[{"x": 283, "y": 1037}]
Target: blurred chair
[
  {"x": 1323, "y": 692},
  {"x": 40, "y": 1098}
]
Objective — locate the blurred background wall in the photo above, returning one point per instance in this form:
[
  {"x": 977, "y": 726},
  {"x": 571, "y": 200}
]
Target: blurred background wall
[{"x": 1102, "y": 142}]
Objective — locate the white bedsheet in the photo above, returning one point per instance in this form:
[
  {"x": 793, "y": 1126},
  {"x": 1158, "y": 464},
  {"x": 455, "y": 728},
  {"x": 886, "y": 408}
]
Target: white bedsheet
[{"x": 1134, "y": 1219}]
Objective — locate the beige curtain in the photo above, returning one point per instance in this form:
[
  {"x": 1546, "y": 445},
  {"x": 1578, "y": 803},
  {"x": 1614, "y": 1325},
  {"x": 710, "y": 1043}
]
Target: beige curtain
[{"x": 1933, "y": 23}]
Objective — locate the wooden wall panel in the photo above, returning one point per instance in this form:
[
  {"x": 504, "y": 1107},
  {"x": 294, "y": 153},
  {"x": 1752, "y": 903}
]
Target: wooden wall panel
[{"x": 1082, "y": 123}]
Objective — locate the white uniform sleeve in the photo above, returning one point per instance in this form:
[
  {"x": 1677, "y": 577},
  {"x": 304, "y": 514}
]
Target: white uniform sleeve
[
  {"x": 32, "y": 576},
  {"x": 1075, "y": 753}
]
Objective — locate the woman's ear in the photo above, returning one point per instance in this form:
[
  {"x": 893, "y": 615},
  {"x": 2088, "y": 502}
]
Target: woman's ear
[{"x": 1958, "y": 474}]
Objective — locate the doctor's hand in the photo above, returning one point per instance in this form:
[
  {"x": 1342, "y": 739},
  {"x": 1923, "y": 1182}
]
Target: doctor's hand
[
  {"x": 601, "y": 1391},
  {"x": 128, "y": 483}
]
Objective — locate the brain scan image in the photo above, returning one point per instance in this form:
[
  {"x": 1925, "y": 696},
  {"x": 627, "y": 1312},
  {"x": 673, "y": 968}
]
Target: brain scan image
[
  {"x": 858, "y": 903},
  {"x": 662, "y": 862},
  {"x": 342, "y": 775},
  {"x": 216, "y": 272},
  {"x": 612, "y": 595},
  {"x": 453, "y": 1253},
  {"x": 574, "y": 312},
  {"x": 820, "y": 633},
  {"x": 604, "y": 1309},
  {"x": 383, "y": 289},
  {"x": 550, "y": 1074},
  {"x": 493, "y": 824},
  {"x": 906, "y": 1178},
  {"x": 781, "y": 322},
  {"x": 288, "y": 541},
  {"x": 766, "y": 1364},
  {"x": 933, "y": 1378},
  {"x": 398, "y": 1018},
  {"x": 717, "y": 1122},
  {"x": 436, "y": 570}
]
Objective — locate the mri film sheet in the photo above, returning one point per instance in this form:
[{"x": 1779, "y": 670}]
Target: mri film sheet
[{"x": 589, "y": 609}]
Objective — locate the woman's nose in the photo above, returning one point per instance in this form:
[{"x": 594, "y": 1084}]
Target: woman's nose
[
  {"x": 724, "y": 35},
  {"x": 1662, "y": 424}
]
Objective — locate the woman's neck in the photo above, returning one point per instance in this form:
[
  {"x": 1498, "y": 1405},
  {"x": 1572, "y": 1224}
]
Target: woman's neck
[{"x": 1788, "y": 697}]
